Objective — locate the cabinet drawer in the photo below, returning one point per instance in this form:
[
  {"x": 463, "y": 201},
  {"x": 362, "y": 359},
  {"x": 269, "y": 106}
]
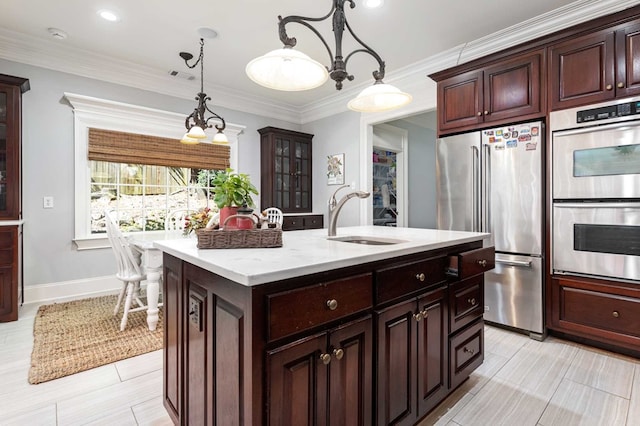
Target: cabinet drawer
[
  {"x": 300, "y": 309},
  {"x": 7, "y": 237},
  {"x": 472, "y": 262},
  {"x": 292, "y": 223},
  {"x": 404, "y": 279},
  {"x": 466, "y": 302},
  {"x": 466, "y": 350},
  {"x": 6, "y": 256},
  {"x": 603, "y": 311},
  {"x": 313, "y": 222}
]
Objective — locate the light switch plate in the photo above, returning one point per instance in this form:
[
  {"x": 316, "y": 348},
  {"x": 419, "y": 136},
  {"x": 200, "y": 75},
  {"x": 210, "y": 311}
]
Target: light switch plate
[{"x": 47, "y": 202}]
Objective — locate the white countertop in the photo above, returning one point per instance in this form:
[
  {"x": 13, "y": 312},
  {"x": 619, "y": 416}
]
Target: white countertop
[{"x": 309, "y": 251}]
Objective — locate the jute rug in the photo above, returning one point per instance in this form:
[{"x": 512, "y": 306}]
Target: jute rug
[{"x": 83, "y": 334}]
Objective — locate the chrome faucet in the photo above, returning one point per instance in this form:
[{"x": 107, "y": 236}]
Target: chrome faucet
[{"x": 335, "y": 206}]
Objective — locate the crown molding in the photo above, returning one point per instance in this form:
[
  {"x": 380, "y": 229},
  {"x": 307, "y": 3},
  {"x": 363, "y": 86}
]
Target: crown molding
[{"x": 18, "y": 47}]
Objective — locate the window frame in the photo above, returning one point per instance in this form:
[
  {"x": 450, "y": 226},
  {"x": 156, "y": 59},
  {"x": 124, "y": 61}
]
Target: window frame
[{"x": 117, "y": 116}]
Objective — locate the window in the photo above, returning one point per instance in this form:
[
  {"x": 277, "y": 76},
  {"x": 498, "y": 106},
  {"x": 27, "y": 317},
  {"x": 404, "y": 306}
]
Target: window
[{"x": 97, "y": 179}]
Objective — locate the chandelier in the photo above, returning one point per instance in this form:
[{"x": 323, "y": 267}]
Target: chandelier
[
  {"x": 196, "y": 122},
  {"x": 291, "y": 70}
]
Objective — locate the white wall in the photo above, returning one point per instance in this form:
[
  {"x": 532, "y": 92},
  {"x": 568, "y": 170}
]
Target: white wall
[{"x": 50, "y": 256}]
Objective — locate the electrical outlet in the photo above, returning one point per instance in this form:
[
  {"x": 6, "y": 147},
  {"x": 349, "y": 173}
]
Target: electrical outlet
[{"x": 47, "y": 202}]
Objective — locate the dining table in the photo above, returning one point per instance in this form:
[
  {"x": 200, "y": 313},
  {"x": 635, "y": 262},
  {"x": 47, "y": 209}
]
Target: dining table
[{"x": 151, "y": 261}]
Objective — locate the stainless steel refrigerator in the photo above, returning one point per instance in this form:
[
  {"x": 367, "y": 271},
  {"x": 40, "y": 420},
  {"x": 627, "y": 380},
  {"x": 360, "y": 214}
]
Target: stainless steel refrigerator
[{"x": 491, "y": 181}]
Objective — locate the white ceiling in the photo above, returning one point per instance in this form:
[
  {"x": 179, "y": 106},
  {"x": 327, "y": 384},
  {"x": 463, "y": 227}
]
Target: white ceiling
[{"x": 143, "y": 46}]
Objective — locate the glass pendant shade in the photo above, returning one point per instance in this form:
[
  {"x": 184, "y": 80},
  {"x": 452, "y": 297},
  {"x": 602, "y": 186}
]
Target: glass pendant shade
[
  {"x": 220, "y": 139},
  {"x": 379, "y": 97},
  {"x": 287, "y": 69},
  {"x": 196, "y": 132},
  {"x": 188, "y": 140}
]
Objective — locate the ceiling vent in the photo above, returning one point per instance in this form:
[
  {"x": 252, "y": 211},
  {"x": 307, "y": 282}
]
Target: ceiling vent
[{"x": 184, "y": 75}]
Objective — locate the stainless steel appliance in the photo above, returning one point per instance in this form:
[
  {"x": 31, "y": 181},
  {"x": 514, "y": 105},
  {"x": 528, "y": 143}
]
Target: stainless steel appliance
[
  {"x": 596, "y": 190},
  {"x": 491, "y": 181}
]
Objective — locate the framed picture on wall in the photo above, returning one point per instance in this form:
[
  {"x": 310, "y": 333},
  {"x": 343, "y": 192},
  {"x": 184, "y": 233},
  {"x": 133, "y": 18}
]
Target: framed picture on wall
[{"x": 335, "y": 169}]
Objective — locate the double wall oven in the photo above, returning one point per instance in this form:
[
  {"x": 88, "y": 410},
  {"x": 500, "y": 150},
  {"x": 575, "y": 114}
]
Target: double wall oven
[{"x": 596, "y": 190}]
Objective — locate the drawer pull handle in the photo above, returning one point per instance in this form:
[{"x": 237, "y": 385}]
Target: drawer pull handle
[
  {"x": 421, "y": 276},
  {"x": 332, "y": 304},
  {"x": 620, "y": 85},
  {"x": 616, "y": 314},
  {"x": 469, "y": 351},
  {"x": 418, "y": 316},
  {"x": 609, "y": 87},
  {"x": 339, "y": 353},
  {"x": 472, "y": 301},
  {"x": 482, "y": 263},
  {"x": 325, "y": 358}
]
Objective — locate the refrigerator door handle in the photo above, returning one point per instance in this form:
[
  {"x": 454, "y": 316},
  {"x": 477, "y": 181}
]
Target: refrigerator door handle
[
  {"x": 520, "y": 263},
  {"x": 475, "y": 207},
  {"x": 486, "y": 196}
]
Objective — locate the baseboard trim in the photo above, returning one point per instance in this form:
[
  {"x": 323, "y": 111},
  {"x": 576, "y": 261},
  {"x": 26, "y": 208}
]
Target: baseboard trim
[{"x": 71, "y": 290}]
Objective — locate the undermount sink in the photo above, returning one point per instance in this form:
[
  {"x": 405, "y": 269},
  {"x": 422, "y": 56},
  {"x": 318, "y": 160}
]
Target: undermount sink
[{"x": 372, "y": 241}]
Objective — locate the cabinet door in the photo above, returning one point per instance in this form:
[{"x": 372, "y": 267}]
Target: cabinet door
[
  {"x": 513, "y": 88},
  {"x": 9, "y": 273},
  {"x": 432, "y": 350},
  {"x": 350, "y": 374},
  {"x": 297, "y": 383},
  {"x": 197, "y": 371},
  {"x": 627, "y": 62},
  {"x": 396, "y": 370},
  {"x": 582, "y": 70},
  {"x": 10, "y": 101},
  {"x": 460, "y": 101},
  {"x": 173, "y": 319}
]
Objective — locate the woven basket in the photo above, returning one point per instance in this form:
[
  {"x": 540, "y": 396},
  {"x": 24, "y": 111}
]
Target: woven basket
[{"x": 239, "y": 238}]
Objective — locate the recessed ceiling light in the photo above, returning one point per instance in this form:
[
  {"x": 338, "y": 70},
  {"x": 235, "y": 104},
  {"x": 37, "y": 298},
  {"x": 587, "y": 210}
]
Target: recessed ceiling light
[
  {"x": 373, "y": 3},
  {"x": 108, "y": 15}
]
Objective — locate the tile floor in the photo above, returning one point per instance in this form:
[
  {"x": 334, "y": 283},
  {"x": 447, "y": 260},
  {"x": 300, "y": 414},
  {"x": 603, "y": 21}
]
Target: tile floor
[{"x": 522, "y": 382}]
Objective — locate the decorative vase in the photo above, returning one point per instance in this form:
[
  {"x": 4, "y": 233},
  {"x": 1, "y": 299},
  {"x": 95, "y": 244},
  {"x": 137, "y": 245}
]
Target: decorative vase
[{"x": 225, "y": 212}]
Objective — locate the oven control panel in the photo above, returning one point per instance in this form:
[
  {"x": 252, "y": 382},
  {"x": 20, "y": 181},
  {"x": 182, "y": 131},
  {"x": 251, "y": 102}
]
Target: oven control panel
[{"x": 606, "y": 112}]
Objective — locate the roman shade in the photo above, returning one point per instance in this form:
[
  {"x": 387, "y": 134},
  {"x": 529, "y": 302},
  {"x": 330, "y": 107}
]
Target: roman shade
[{"x": 131, "y": 148}]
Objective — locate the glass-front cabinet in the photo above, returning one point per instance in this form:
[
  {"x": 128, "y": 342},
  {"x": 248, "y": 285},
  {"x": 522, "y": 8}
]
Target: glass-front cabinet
[
  {"x": 285, "y": 170},
  {"x": 11, "y": 89}
]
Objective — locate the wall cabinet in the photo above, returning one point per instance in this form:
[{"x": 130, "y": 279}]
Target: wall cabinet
[
  {"x": 594, "y": 68},
  {"x": 341, "y": 347},
  {"x": 285, "y": 177},
  {"x": 11, "y": 90},
  {"x": 493, "y": 94}
]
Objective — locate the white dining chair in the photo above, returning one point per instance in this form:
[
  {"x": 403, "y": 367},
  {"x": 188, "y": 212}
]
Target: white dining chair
[
  {"x": 175, "y": 220},
  {"x": 130, "y": 270},
  {"x": 274, "y": 215}
]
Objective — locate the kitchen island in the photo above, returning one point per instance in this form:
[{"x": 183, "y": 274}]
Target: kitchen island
[{"x": 322, "y": 331}]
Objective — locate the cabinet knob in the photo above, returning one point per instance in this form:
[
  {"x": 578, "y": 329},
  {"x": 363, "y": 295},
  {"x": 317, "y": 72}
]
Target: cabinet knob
[
  {"x": 425, "y": 314},
  {"x": 616, "y": 314},
  {"x": 620, "y": 85},
  {"x": 469, "y": 351},
  {"x": 418, "y": 316},
  {"x": 482, "y": 263},
  {"x": 338, "y": 353},
  {"x": 325, "y": 358},
  {"x": 472, "y": 301},
  {"x": 332, "y": 304},
  {"x": 421, "y": 276},
  {"x": 486, "y": 113},
  {"x": 609, "y": 87},
  {"x": 479, "y": 113}
]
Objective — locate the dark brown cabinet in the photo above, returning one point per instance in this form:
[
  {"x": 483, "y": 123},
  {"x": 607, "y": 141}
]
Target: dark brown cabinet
[
  {"x": 595, "y": 67},
  {"x": 324, "y": 379},
  {"x": 412, "y": 358},
  {"x": 332, "y": 348},
  {"x": 296, "y": 223},
  {"x": 11, "y": 89},
  {"x": 285, "y": 177},
  {"x": 495, "y": 93}
]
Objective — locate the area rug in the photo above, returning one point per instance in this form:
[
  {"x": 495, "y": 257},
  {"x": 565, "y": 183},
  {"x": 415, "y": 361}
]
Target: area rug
[{"x": 83, "y": 334}]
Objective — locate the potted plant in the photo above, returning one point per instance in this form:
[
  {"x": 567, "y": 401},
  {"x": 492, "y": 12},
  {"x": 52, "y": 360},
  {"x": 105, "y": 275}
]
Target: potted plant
[{"x": 231, "y": 191}]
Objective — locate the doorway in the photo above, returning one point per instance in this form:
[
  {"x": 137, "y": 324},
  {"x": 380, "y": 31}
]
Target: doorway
[{"x": 389, "y": 152}]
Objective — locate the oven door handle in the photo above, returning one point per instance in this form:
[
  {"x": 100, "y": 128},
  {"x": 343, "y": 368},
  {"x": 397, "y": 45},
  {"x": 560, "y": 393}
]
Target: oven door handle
[
  {"x": 591, "y": 128},
  {"x": 621, "y": 205}
]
